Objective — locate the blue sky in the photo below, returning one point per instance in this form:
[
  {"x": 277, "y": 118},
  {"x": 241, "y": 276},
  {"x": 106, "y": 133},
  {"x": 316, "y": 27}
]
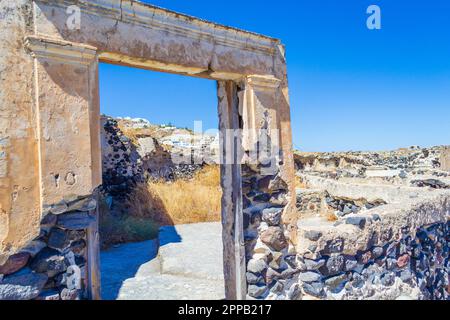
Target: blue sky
[{"x": 351, "y": 88}]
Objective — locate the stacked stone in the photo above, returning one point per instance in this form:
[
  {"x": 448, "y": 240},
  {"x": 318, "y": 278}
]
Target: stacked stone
[
  {"x": 186, "y": 171},
  {"x": 52, "y": 266},
  {"x": 309, "y": 200},
  {"x": 269, "y": 264},
  {"x": 345, "y": 206},
  {"x": 398, "y": 159},
  {"x": 121, "y": 161},
  {"x": 432, "y": 183},
  {"x": 407, "y": 268}
]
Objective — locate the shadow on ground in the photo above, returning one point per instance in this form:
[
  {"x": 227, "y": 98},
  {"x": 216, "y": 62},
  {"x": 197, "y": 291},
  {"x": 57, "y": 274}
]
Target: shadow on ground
[{"x": 123, "y": 262}]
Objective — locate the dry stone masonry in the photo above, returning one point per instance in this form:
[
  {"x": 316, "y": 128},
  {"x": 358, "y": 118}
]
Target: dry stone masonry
[
  {"x": 53, "y": 265},
  {"x": 379, "y": 233}
]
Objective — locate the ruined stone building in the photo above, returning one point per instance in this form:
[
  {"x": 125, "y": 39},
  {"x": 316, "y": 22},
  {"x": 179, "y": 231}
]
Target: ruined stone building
[
  {"x": 389, "y": 241},
  {"x": 50, "y": 164}
]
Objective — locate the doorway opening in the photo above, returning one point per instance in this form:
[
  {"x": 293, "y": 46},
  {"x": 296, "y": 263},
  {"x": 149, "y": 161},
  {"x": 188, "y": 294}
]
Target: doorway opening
[{"x": 160, "y": 203}]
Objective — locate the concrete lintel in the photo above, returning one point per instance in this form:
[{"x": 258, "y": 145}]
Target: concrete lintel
[{"x": 175, "y": 23}]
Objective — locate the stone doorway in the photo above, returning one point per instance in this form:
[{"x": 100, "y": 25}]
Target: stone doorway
[{"x": 159, "y": 205}]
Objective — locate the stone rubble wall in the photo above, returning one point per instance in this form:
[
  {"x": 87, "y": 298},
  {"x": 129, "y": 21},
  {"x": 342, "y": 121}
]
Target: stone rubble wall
[
  {"x": 445, "y": 159},
  {"x": 126, "y": 162},
  {"x": 121, "y": 163},
  {"x": 264, "y": 200},
  {"x": 397, "y": 251},
  {"x": 414, "y": 266},
  {"x": 52, "y": 266},
  {"x": 311, "y": 201},
  {"x": 398, "y": 159}
]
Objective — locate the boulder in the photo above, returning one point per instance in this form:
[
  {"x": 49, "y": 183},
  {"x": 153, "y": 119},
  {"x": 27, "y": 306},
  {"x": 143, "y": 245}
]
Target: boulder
[
  {"x": 309, "y": 277},
  {"x": 274, "y": 238},
  {"x": 86, "y": 204},
  {"x": 257, "y": 291},
  {"x": 272, "y": 216},
  {"x": 14, "y": 263},
  {"x": 256, "y": 266},
  {"x": 336, "y": 283},
  {"x": 49, "y": 261},
  {"x": 58, "y": 239},
  {"x": 23, "y": 286},
  {"x": 314, "y": 289},
  {"x": 75, "y": 220},
  {"x": 334, "y": 265},
  {"x": 314, "y": 264}
]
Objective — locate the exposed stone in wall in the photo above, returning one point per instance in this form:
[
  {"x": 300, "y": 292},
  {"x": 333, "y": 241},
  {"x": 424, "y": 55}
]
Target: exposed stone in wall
[
  {"x": 356, "y": 162},
  {"x": 320, "y": 202},
  {"x": 394, "y": 251},
  {"x": 344, "y": 206},
  {"x": 266, "y": 240},
  {"x": 126, "y": 162},
  {"x": 432, "y": 183},
  {"x": 310, "y": 202},
  {"x": 52, "y": 266},
  {"x": 121, "y": 167},
  {"x": 445, "y": 159},
  {"x": 414, "y": 266}
]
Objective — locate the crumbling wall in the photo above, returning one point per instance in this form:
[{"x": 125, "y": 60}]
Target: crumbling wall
[
  {"x": 426, "y": 158},
  {"x": 445, "y": 159},
  {"x": 398, "y": 251},
  {"x": 130, "y": 160},
  {"x": 121, "y": 163},
  {"x": 53, "y": 266}
]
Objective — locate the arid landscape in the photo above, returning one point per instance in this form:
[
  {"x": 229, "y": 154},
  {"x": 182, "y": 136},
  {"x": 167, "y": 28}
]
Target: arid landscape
[
  {"x": 149, "y": 154},
  {"x": 343, "y": 199}
]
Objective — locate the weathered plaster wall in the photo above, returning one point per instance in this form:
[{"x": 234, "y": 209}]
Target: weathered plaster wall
[
  {"x": 19, "y": 156},
  {"x": 65, "y": 102},
  {"x": 445, "y": 159}
]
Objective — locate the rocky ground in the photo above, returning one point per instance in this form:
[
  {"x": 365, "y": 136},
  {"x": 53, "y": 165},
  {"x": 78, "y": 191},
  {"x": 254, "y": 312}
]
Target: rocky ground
[
  {"x": 321, "y": 174},
  {"x": 373, "y": 225},
  {"x": 188, "y": 265}
]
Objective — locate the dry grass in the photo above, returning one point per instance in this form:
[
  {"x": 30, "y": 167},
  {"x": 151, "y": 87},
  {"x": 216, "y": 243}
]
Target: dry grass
[
  {"x": 180, "y": 202},
  {"x": 331, "y": 217},
  {"x": 118, "y": 228},
  {"x": 299, "y": 182},
  {"x": 130, "y": 133}
]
